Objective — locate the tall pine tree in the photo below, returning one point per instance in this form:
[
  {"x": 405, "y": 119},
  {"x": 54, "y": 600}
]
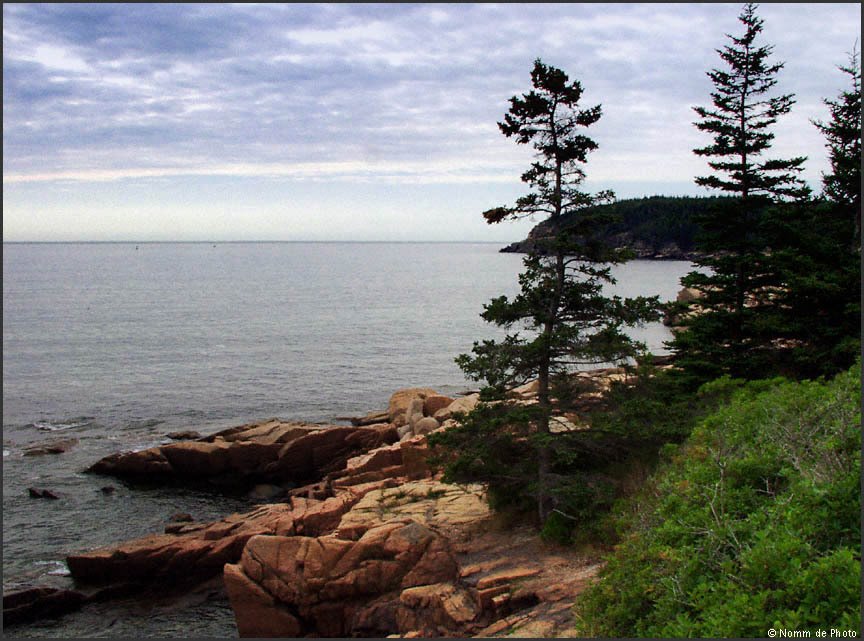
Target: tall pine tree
[
  {"x": 818, "y": 252},
  {"x": 561, "y": 317},
  {"x": 843, "y": 136},
  {"x": 739, "y": 280}
]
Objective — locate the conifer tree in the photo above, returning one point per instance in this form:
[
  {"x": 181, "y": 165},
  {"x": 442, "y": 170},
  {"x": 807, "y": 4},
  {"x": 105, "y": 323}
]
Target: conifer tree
[
  {"x": 843, "y": 136},
  {"x": 739, "y": 280},
  {"x": 818, "y": 256},
  {"x": 561, "y": 317}
]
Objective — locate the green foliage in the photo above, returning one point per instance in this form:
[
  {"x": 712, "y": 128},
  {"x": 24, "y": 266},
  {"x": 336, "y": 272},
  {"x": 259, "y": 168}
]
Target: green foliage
[
  {"x": 557, "y": 529},
  {"x": 656, "y": 408},
  {"x": 753, "y": 523},
  {"x": 491, "y": 445},
  {"x": 590, "y": 470}
]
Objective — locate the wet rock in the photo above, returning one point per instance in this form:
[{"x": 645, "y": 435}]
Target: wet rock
[
  {"x": 147, "y": 464},
  {"x": 266, "y": 492},
  {"x": 181, "y": 517},
  {"x": 33, "y": 604},
  {"x": 37, "y": 493},
  {"x": 57, "y": 446},
  {"x": 184, "y": 435},
  {"x": 190, "y": 551}
]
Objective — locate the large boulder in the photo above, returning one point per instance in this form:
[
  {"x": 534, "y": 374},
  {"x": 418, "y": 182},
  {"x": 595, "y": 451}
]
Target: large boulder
[
  {"x": 331, "y": 587},
  {"x": 401, "y": 400},
  {"x": 425, "y": 425},
  {"x": 414, "y": 412},
  {"x": 459, "y": 406},
  {"x": 434, "y": 403}
]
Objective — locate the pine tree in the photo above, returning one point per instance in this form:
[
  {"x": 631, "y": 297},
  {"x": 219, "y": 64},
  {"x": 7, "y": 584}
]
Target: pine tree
[
  {"x": 818, "y": 308},
  {"x": 567, "y": 319},
  {"x": 843, "y": 135},
  {"x": 739, "y": 280}
]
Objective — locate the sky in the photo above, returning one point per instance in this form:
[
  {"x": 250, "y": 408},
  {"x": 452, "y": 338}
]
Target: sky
[{"x": 362, "y": 122}]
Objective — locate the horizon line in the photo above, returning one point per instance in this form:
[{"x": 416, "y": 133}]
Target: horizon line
[{"x": 235, "y": 242}]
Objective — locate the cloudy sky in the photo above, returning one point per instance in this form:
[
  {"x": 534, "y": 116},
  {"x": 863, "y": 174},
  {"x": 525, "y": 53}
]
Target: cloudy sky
[{"x": 359, "y": 121}]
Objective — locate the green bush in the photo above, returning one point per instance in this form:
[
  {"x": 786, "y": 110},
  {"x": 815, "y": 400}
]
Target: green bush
[{"x": 752, "y": 523}]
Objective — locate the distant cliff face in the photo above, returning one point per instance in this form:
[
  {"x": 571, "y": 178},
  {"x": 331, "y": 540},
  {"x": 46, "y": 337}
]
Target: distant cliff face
[{"x": 658, "y": 228}]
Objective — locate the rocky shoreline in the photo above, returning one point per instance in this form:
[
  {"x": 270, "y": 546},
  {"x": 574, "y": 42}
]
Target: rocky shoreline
[
  {"x": 543, "y": 234},
  {"x": 358, "y": 536},
  {"x": 641, "y": 251}
]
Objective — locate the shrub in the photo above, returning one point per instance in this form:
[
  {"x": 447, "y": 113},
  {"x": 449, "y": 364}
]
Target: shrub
[{"x": 752, "y": 523}]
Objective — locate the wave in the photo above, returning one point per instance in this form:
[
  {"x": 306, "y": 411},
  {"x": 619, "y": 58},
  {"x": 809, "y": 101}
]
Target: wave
[
  {"x": 54, "y": 568},
  {"x": 65, "y": 424}
]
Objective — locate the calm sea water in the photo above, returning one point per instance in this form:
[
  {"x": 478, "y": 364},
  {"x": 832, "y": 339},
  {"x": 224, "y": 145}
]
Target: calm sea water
[{"x": 118, "y": 344}]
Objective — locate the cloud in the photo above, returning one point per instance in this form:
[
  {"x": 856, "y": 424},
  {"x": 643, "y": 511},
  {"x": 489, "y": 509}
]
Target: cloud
[{"x": 387, "y": 92}]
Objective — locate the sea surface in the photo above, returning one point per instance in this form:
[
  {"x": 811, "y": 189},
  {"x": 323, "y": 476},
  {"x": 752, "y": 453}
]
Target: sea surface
[{"x": 118, "y": 344}]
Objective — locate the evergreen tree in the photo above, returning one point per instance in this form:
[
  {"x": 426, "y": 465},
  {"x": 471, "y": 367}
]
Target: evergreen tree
[
  {"x": 843, "y": 135},
  {"x": 568, "y": 319},
  {"x": 818, "y": 257},
  {"x": 739, "y": 280}
]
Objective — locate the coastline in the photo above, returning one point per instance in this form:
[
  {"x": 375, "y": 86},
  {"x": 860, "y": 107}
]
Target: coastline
[{"x": 366, "y": 485}]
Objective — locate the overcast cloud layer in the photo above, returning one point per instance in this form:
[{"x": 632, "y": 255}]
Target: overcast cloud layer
[{"x": 363, "y": 121}]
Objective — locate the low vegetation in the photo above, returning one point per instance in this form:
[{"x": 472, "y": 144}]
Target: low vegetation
[{"x": 752, "y": 523}]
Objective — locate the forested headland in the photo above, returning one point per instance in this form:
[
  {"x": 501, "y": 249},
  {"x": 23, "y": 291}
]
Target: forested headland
[{"x": 658, "y": 227}]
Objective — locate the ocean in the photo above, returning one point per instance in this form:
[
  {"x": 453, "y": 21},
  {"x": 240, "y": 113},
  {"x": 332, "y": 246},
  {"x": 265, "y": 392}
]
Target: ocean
[{"x": 118, "y": 344}]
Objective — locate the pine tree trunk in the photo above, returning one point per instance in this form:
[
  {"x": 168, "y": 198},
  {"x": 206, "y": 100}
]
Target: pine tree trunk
[
  {"x": 544, "y": 456},
  {"x": 544, "y": 395}
]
